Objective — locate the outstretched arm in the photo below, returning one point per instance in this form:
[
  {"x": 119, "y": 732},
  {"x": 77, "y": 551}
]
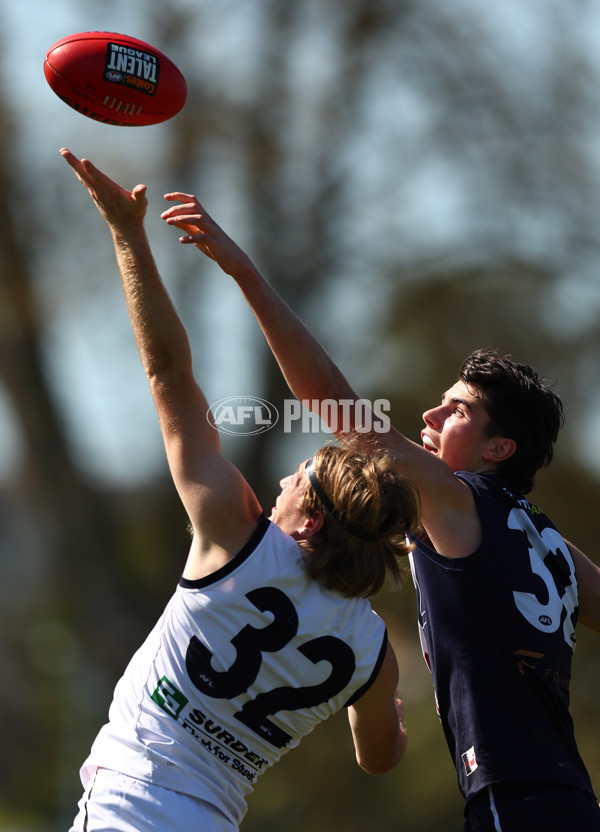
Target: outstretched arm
[
  {"x": 448, "y": 510},
  {"x": 221, "y": 506},
  {"x": 307, "y": 368}
]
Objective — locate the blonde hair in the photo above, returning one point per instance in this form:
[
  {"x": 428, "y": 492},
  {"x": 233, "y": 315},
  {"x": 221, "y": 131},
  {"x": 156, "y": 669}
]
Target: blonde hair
[{"x": 369, "y": 509}]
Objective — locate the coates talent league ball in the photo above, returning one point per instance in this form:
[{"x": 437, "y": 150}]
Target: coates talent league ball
[{"x": 115, "y": 79}]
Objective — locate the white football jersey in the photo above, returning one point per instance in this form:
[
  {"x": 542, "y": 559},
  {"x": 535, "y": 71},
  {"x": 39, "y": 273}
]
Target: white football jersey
[{"x": 240, "y": 666}]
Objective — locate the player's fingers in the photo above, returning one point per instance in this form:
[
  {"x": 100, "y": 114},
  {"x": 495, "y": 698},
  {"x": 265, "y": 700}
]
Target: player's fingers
[
  {"x": 87, "y": 174},
  {"x": 74, "y": 163},
  {"x": 191, "y": 208},
  {"x": 178, "y": 212},
  {"x": 179, "y": 196},
  {"x": 84, "y": 169},
  {"x": 202, "y": 241},
  {"x": 196, "y": 239},
  {"x": 101, "y": 180},
  {"x": 92, "y": 171},
  {"x": 67, "y": 155},
  {"x": 186, "y": 219}
]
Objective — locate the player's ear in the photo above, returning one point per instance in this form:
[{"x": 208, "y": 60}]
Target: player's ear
[
  {"x": 311, "y": 526},
  {"x": 500, "y": 448}
]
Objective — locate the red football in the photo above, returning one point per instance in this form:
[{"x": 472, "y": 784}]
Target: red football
[{"x": 115, "y": 79}]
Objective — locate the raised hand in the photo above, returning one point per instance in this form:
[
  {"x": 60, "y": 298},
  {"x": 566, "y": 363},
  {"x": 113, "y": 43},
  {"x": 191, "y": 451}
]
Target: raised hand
[
  {"x": 203, "y": 232},
  {"x": 119, "y": 207}
]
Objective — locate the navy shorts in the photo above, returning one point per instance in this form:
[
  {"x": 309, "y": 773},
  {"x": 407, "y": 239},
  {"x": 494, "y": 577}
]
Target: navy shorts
[{"x": 532, "y": 807}]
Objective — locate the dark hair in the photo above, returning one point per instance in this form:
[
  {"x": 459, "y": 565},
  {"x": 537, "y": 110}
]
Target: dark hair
[
  {"x": 365, "y": 534},
  {"x": 521, "y": 407}
]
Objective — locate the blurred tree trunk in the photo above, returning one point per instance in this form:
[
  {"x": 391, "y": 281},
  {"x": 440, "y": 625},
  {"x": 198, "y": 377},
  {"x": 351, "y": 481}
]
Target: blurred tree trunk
[
  {"x": 59, "y": 525},
  {"x": 72, "y": 520}
]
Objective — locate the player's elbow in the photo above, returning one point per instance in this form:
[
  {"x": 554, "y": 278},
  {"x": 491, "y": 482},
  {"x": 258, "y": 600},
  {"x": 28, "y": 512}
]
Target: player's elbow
[
  {"x": 378, "y": 767},
  {"x": 382, "y": 760}
]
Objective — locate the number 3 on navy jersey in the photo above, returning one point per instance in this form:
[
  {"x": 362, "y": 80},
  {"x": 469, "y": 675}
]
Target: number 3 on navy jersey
[
  {"x": 250, "y": 643},
  {"x": 544, "y": 547}
]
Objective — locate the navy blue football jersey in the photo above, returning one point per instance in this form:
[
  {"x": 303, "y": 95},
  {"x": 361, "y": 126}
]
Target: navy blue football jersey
[{"x": 498, "y": 633}]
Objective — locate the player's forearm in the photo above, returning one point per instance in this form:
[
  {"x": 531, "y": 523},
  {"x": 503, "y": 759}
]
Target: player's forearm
[
  {"x": 378, "y": 752},
  {"x": 399, "y": 748},
  {"x": 390, "y": 756},
  {"x": 307, "y": 368},
  {"x": 159, "y": 333}
]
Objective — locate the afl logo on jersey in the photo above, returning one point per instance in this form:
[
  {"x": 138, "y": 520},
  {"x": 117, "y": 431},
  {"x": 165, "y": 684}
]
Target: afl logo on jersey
[
  {"x": 243, "y": 415},
  {"x": 545, "y": 620}
]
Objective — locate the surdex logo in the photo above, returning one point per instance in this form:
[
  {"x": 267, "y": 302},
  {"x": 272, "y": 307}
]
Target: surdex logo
[{"x": 131, "y": 68}]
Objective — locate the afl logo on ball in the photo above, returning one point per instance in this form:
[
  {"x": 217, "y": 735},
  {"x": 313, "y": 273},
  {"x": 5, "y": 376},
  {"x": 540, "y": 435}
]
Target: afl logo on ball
[{"x": 131, "y": 67}]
